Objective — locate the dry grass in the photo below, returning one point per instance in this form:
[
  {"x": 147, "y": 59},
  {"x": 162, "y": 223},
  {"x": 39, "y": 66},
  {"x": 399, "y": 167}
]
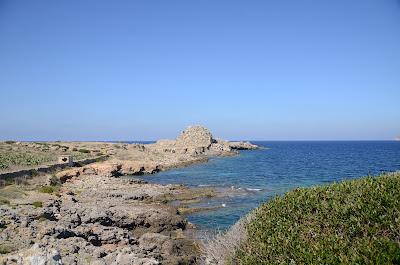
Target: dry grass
[{"x": 219, "y": 248}]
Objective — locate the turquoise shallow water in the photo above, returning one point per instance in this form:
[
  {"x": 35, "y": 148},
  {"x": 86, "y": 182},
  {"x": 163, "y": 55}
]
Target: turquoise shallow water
[{"x": 257, "y": 176}]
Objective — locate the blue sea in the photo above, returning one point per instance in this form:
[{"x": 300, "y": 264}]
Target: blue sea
[{"x": 257, "y": 176}]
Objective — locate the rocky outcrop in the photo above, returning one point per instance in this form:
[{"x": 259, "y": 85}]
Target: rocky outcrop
[
  {"x": 242, "y": 146},
  {"x": 197, "y": 141},
  {"x": 37, "y": 254},
  {"x": 100, "y": 218},
  {"x": 113, "y": 168},
  {"x": 193, "y": 145}
]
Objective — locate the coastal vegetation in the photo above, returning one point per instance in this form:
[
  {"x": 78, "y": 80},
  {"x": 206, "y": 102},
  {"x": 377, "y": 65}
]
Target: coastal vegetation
[
  {"x": 37, "y": 204},
  {"x": 49, "y": 189},
  {"x": 352, "y": 222},
  {"x": 9, "y": 159},
  {"x": 4, "y": 201},
  {"x": 85, "y": 151},
  {"x": 4, "y": 249},
  {"x": 19, "y": 155}
]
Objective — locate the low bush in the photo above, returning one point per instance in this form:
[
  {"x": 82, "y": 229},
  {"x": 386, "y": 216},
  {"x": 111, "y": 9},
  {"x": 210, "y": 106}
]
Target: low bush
[
  {"x": 85, "y": 151},
  {"x": 37, "y": 204},
  {"x": 5, "y": 249},
  {"x": 55, "y": 188},
  {"x": 4, "y": 201},
  {"x": 8, "y": 159},
  {"x": 10, "y": 142},
  {"x": 46, "y": 189},
  {"x": 352, "y": 222}
]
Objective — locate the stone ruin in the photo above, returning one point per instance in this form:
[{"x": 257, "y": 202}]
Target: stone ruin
[
  {"x": 195, "y": 137},
  {"x": 196, "y": 140}
]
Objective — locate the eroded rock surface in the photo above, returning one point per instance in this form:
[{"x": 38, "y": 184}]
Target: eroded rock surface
[{"x": 99, "y": 220}]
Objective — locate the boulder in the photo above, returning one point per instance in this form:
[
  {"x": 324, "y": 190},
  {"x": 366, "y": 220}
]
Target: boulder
[{"x": 37, "y": 255}]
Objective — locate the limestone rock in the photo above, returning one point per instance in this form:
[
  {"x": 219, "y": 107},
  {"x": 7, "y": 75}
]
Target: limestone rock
[
  {"x": 243, "y": 146},
  {"x": 195, "y": 137},
  {"x": 36, "y": 255}
]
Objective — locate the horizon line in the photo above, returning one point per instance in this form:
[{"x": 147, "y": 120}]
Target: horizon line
[{"x": 230, "y": 140}]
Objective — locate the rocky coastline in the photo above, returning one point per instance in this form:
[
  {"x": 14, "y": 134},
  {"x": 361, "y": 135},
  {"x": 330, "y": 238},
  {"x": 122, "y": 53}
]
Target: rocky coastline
[{"x": 94, "y": 215}]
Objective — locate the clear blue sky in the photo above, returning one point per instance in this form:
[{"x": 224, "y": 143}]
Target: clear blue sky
[{"x": 130, "y": 70}]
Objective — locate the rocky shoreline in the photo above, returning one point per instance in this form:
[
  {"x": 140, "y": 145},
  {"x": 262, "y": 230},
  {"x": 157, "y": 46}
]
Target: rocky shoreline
[{"x": 96, "y": 216}]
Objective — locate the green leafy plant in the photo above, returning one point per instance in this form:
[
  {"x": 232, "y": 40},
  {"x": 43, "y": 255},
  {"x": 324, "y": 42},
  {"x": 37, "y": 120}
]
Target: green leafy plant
[
  {"x": 352, "y": 222},
  {"x": 50, "y": 189}
]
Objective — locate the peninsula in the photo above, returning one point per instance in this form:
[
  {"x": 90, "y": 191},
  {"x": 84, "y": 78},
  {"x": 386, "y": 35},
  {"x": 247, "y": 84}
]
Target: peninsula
[{"x": 89, "y": 214}]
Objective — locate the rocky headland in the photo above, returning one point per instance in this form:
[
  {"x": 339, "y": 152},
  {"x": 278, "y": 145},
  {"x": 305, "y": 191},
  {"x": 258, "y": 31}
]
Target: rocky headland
[{"x": 93, "y": 215}]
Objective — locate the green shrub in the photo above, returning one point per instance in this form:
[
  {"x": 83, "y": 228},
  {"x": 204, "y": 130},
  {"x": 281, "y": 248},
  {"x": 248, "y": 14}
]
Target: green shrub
[
  {"x": 352, "y": 222},
  {"x": 85, "y": 151},
  {"x": 5, "y": 249},
  {"x": 10, "y": 142},
  {"x": 4, "y": 201},
  {"x": 37, "y": 204},
  {"x": 54, "y": 189},
  {"x": 46, "y": 189},
  {"x": 74, "y": 149}
]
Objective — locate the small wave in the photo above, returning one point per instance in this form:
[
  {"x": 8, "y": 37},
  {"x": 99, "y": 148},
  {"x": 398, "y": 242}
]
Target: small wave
[
  {"x": 203, "y": 185},
  {"x": 253, "y": 189}
]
